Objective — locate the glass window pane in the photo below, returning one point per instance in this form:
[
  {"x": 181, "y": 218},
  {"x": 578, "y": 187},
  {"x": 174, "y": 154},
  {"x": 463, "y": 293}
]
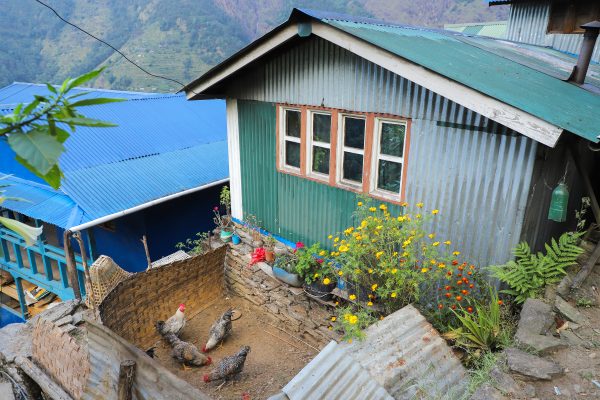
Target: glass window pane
[
  {"x": 354, "y": 135},
  {"x": 292, "y": 123},
  {"x": 321, "y": 127},
  {"x": 392, "y": 139},
  {"x": 320, "y": 160},
  {"x": 292, "y": 154},
  {"x": 353, "y": 166},
  {"x": 389, "y": 174}
]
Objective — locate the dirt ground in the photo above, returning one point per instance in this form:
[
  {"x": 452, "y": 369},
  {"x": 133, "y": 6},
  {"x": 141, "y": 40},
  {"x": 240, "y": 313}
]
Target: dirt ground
[
  {"x": 581, "y": 363},
  {"x": 275, "y": 357}
]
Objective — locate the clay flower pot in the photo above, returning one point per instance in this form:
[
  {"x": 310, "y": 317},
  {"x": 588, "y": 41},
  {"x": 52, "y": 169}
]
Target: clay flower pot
[{"x": 269, "y": 256}]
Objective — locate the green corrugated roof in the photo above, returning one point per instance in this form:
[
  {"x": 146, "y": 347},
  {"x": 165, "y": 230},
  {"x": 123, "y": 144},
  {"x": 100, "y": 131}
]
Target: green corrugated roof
[
  {"x": 496, "y": 29},
  {"x": 515, "y": 75}
]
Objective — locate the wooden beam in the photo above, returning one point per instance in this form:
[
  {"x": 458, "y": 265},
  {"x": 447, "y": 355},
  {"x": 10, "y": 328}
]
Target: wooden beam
[
  {"x": 126, "y": 376},
  {"x": 587, "y": 268}
]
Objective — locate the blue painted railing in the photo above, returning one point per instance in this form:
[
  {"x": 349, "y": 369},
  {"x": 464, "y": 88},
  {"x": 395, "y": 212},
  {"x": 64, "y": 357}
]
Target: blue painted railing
[{"x": 30, "y": 269}]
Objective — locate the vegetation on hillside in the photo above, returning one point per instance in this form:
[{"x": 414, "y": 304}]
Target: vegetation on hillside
[{"x": 177, "y": 38}]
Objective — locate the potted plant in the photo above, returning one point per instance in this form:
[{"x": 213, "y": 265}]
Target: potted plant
[
  {"x": 270, "y": 248},
  {"x": 223, "y": 224},
  {"x": 252, "y": 227},
  {"x": 284, "y": 269},
  {"x": 313, "y": 269}
]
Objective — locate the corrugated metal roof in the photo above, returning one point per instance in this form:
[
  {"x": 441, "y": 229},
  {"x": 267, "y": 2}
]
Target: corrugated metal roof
[
  {"x": 162, "y": 145},
  {"x": 407, "y": 356},
  {"x": 42, "y": 202},
  {"x": 483, "y": 64},
  {"x": 495, "y": 29},
  {"x": 334, "y": 374}
]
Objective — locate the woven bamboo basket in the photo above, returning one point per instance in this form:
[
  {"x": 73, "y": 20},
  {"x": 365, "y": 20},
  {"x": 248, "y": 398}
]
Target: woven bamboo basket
[{"x": 105, "y": 274}]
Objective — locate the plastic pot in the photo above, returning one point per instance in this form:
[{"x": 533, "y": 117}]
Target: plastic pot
[
  {"x": 321, "y": 291},
  {"x": 287, "y": 277},
  {"x": 235, "y": 239},
  {"x": 226, "y": 236}
]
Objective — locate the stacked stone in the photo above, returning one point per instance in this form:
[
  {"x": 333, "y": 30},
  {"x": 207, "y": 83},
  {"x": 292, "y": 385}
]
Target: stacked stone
[{"x": 291, "y": 309}]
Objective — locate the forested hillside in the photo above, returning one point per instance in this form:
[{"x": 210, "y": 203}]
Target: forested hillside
[{"x": 176, "y": 38}]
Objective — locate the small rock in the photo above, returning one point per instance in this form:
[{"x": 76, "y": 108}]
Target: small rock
[
  {"x": 564, "y": 287},
  {"x": 272, "y": 308},
  {"x": 64, "y": 320},
  {"x": 536, "y": 318},
  {"x": 531, "y": 366},
  {"x": 569, "y": 312},
  {"x": 540, "y": 343},
  {"x": 505, "y": 382},
  {"x": 578, "y": 389},
  {"x": 550, "y": 293},
  {"x": 487, "y": 392},
  {"x": 6, "y": 391},
  {"x": 529, "y": 390},
  {"x": 571, "y": 338},
  {"x": 593, "y": 355}
]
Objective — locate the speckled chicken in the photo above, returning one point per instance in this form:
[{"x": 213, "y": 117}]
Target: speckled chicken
[
  {"x": 184, "y": 352},
  {"x": 218, "y": 331},
  {"x": 175, "y": 323},
  {"x": 229, "y": 366}
]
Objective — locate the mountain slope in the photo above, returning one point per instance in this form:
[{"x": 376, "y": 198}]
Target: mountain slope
[{"x": 175, "y": 38}]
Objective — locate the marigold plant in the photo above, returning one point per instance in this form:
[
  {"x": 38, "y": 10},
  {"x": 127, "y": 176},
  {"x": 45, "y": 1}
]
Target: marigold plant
[{"x": 352, "y": 320}]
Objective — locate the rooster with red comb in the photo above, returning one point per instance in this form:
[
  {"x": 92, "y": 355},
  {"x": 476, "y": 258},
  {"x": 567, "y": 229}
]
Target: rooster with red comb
[{"x": 175, "y": 323}]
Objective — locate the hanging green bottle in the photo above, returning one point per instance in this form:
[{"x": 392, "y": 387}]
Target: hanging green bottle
[{"x": 558, "y": 205}]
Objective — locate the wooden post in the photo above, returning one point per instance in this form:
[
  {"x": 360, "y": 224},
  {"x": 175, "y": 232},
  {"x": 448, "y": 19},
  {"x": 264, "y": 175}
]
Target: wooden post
[
  {"x": 22, "y": 300},
  {"x": 587, "y": 268},
  {"x": 86, "y": 270},
  {"x": 145, "y": 242},
  {"x": 71, "y": 266},
  {"x": 126, "y": 375}
]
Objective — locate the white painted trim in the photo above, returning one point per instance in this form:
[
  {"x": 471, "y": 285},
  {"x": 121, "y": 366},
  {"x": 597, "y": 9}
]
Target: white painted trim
[
  {"x": 376, "y": 156},
  {"x": 341, "y": 149},
  {"x": 283, "y": 137},
  {"x": 233, "y": 147},
  {"x": 509, "y": 116},
  {"x": 262, "y": 49},
  {"x": 310, "y": 143}
]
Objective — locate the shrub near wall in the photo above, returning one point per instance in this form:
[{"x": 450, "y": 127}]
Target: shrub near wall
[{"x": 133, "y": 307}]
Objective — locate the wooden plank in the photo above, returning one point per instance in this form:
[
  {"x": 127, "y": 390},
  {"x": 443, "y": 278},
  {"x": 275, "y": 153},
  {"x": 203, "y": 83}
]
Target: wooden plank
[
  {"x": 126, "y": 375},
  {"x": 48, "y": 386}
]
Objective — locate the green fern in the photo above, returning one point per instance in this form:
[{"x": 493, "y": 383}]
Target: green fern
[{"x": 529, "y": 273}]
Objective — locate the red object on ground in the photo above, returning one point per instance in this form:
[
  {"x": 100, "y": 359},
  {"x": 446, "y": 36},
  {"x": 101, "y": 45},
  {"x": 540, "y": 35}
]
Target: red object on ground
[{"x": 258, "y": 255}]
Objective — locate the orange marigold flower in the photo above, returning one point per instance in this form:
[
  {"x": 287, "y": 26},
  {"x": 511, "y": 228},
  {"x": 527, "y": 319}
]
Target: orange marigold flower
[
  {"x": 449, "y": 273},
  {"x": 465, "y": 292},
  {"x": 448, "y": 287},
  {"x": 448, "y": 295},
  {"x": 459, "y": 282},
  {"x": 454, "y": 262},
  {"x": 471, "y": 286},
  {"x": 471, "y": 267},
  {"x": 470, "y": 273},
  {"x": 440, "y": 306},
  {"x": 458, "y": 298},
  {"x": 453, "y": 307},
  {"x": 460, "y": 267},
  {"x": 500, "y": 302},
  {"x": 470, "y": 309},
  {"x": 459, "y": 275}
]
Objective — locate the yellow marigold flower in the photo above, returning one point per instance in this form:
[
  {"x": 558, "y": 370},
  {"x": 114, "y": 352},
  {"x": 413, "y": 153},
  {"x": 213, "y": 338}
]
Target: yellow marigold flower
[
  {"x": 337, "y": 239},
  {"x": 373, "y": 287},
  {"x": 433, "y": 262},
  {"x": 370, "y": 270},
  {"x": 436, "y": 243},
  {"x": 373, "y": 240},
  {"x": 431, "y": 235},
  {"x": 401, "y": 218},
  {"x": 372, "y": 209},
  {"x": 340, "y": 273},
  {"x": 322, "y": 253},
  {"x": 394, "y": 270},
  {"x": 333, "y": 319},
  {"x": 387, "y": 270},
  {"x": 393, "y": 295},
  {"x": 330, "y": 328},
  {"x": 330, "y": 237},
  {"x": 406, "y": 243},
  {"x": 326, "y": 281},
  {"x": 316, "y": 275},
  {"x": 352, "y": 297},
  {"x": 455, "y": 253},
  {"x": 448, "y": 242},
  {"x": 405, "y": 254},
  {"x": 435, "y": 211},
  {"x": 441, "y": 265},
  {"x": 382, "y": 207},
  {"x": 363, "y": 223},
  {"x": 332, "y": 253},
  {"x": 337, "y": 303},
  {"x": 343, "y": 248},
  {"x": 370, "y": 304},
  {"x": 358, "y": 237},
  {"x": 423, "y": 270},
  {"x": 353, "y": 319},
  {"x": 357, "y": 271},
  {"x": 379, "y": 227},
  {"x": 343, "y": 241},
  {"x": 349, "y": 340},
  {"x": 378, "y": 254},
  {"x": 381, "y": 318},
  {"x": 395, "y": 253},
  {"x": 420, "y": 205},
  {"x": 418, "y": 216},
  {"x": 347, "y": 316},
  {"x": 360, "y": 203}
]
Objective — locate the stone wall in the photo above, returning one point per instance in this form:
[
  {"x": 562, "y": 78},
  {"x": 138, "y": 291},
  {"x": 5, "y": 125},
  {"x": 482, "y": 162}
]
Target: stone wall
[
  {"x": 291, "y": 308},
  {"x": 135, "y": 304}
]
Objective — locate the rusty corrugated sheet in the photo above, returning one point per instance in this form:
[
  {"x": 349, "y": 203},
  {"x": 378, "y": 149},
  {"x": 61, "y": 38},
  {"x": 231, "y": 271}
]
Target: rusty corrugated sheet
[
  {"x": 528, "y": 23},
  {"x": 334, "y": 374},
  {"x": 407, "y": 356}
]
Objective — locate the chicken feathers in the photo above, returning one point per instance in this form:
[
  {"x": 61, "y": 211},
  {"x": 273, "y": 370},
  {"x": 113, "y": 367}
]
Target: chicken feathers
[
  {"x": 229, "y": 366},
  {"x": 184, "y": 352},
  {"x": 175, "y": 323},
  {"x": 219, "y": 331}
]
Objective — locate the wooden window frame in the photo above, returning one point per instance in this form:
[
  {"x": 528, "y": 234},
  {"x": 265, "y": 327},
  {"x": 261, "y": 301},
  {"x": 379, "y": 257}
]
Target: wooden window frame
[
  {"x": 336, "y": 150},
  {"x": 341, "y": 148},
  {"x": 310, "y": 143},
  {"x": 282, "y": 138}
]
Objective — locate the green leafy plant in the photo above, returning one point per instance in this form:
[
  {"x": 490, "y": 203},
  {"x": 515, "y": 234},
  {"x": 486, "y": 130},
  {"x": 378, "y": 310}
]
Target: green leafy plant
[
  {"x": 310, "y": 265},
  {"x": 352, "y": 320},
  {"x": 225, "y": 199},
  {"x": 37, "y": 131},
  {"x": 195, "y": 246},
  {"x": 480, "y": 325},
  {"x": 270, "y": 242},
  {"x": 529, "y": 273}
]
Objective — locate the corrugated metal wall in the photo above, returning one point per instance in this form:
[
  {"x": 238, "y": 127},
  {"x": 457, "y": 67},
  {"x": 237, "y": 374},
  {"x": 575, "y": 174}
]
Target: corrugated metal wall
[
  {"x": 476, "y": 172},
  {"x": 528, "y": 23}
]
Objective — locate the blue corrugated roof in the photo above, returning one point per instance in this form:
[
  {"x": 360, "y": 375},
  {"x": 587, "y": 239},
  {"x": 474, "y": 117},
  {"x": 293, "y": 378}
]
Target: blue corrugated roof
[{"x": 162, "y": 145}]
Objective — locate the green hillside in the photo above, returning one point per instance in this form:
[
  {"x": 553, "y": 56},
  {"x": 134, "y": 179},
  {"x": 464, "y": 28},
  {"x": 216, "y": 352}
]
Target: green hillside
[{"x": 176, "y": 38}]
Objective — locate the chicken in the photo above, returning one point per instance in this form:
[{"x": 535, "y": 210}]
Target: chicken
[
  {"x": 229, "y": 366},
  {"x": 175, "y": 323},
  {"x": 218, "y": 331},
  {"x": 184, "y": 352}
]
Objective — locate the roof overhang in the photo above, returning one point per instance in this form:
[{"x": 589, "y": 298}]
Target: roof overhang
[{"x": 302, "y": 25}]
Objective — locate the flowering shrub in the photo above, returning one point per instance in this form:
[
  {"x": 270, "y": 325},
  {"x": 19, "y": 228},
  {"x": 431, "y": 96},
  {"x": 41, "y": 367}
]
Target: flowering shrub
[
  {"x": 352, "y": 320},
  {"x": 310, "y": 264}
]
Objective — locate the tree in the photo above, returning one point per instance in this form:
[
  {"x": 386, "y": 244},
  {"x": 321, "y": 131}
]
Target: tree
[{"x": 36, "y": 132}]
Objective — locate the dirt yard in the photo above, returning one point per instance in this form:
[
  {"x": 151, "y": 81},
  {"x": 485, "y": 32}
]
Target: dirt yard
[{"x": 275, "y": 356}]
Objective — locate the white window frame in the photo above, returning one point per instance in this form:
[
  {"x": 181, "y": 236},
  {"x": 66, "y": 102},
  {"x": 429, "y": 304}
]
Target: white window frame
[
  {"x": 310, "y": 143},
  {"x": 376, "y": 156},
  {"x": 283, "y": 137},
  {"x": 341, "y": 148}
]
